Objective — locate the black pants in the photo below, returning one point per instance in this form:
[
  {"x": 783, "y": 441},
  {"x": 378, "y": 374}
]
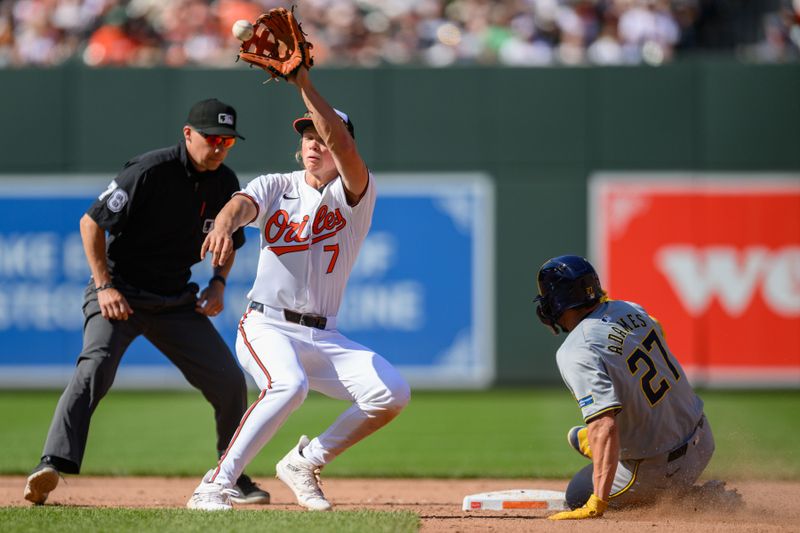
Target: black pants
[{"x": 186, "y": 337}]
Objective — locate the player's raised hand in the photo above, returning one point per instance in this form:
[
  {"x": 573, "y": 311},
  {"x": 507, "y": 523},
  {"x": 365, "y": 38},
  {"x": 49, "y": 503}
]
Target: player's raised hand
[
  {"x": 113, "y": 305},
  {"x": 594, "y": 508},
  {"x": 299, "y": 77}
]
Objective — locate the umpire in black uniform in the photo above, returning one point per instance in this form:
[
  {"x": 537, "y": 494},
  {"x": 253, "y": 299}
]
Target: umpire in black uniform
[{"x": 156, "y": 212}]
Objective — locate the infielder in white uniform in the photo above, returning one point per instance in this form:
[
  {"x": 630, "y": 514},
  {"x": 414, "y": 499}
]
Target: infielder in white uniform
[
  {"x": 645, "y": 431},
  {"x": 312, "y": 223}
]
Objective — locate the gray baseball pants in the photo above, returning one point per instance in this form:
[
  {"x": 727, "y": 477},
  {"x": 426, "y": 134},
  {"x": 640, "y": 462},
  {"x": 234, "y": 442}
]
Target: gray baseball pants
[
  {"x": 185, "y": 336},
  {"x": 639, "y": 481}
]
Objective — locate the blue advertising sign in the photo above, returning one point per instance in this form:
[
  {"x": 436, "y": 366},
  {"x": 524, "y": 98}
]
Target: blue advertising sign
[{"x": 420, "y": 293}]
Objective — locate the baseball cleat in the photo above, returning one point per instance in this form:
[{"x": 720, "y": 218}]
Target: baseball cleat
[
  {"x": 210, "y": 496},
  {"x": 302, "y": 476},
  {"x": 578, "y": 438},
  {"x": 248, "y": 492},
  {"x": 41, "y": 483}
]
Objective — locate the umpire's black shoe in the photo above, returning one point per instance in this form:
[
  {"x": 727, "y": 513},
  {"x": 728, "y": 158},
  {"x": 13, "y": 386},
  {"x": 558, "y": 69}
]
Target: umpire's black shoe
[
  {"x": 42, "y": 481},
  {"x": 248, "y": 492}
]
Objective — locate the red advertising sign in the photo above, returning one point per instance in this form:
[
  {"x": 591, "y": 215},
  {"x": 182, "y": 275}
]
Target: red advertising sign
[{"x": 716, "y": 259}]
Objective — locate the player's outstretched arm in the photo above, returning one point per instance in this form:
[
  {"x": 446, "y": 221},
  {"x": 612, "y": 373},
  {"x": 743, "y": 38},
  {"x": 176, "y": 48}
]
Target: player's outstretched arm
[
  {"x": 604, "y": 443},
  {"x": 334, "y": 133},
  {"x": 239, "y": 211}
]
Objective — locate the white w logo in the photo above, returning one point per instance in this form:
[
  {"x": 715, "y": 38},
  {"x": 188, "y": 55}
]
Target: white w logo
[{"x": 699, "y": 274}]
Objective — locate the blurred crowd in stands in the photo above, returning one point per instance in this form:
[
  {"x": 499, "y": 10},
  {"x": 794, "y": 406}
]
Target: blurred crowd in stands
[{"x": 402, "y": 32}]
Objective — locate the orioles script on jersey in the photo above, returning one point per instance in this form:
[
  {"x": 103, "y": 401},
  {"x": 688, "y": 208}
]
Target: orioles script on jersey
[{"x": 326, "y": 224}]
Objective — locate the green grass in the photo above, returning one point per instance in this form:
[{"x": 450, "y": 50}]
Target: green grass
[
  {"x": 501, "y": 433},
  {"x": 82, "y": 520}
]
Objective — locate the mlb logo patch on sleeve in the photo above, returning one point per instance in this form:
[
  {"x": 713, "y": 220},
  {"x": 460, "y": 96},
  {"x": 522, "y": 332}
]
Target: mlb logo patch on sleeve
[{"x": 586, "y": 400}]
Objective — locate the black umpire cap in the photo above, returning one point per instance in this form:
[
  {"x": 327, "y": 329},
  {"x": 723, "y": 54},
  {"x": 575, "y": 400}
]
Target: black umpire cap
[{"x": 213, "y": 117}]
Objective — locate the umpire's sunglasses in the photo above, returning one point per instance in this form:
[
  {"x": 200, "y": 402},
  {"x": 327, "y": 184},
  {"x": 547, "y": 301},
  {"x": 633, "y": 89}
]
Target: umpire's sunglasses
[{"x": 219, "y": 140}]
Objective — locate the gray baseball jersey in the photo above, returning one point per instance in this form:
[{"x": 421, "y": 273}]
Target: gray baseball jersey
[{"x": 616, "y": 359}]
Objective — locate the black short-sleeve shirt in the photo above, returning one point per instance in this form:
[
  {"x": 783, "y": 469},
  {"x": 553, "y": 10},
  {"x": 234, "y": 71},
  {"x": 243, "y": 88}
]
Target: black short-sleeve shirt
[{"x": 157, "y": 212}]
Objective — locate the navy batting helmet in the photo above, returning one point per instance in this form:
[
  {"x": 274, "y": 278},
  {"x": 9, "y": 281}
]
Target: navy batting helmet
[{"x": 565, "y": 282}]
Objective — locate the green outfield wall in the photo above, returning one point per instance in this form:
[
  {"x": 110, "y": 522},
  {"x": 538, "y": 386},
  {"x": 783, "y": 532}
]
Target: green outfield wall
[{"x": 538, "y": 132}]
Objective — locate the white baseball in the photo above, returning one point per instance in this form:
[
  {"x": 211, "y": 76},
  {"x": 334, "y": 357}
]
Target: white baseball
[{"x": 242, "y": 30}]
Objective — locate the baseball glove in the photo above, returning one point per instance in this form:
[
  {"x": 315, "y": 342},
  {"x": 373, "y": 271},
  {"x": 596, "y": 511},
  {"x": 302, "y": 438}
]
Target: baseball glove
[{"x": 278, "y": 44}]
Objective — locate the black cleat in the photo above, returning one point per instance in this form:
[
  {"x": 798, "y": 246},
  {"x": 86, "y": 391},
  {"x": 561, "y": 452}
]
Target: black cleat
[
  {"x": 248, "y": 492},
  {"x": 42, "y": 481}
]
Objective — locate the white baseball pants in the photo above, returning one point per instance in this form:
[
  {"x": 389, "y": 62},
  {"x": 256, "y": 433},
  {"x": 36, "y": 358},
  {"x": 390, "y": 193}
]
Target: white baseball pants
[{"x": 286, "y": 360}]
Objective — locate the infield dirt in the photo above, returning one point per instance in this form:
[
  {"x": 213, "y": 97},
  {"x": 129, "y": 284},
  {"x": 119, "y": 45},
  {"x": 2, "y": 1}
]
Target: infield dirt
[{"x": 769, "y": 505}]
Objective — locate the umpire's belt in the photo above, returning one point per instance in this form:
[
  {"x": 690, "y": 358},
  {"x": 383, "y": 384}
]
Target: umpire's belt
[
  {"x": 680, "y": 451},
  {"x": 312, "y": 321}
]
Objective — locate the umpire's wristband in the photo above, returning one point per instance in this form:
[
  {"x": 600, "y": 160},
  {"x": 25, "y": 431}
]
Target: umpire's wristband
[
  {"x": 103, "y": 287},
  {"x": 217, "y": 278}
]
